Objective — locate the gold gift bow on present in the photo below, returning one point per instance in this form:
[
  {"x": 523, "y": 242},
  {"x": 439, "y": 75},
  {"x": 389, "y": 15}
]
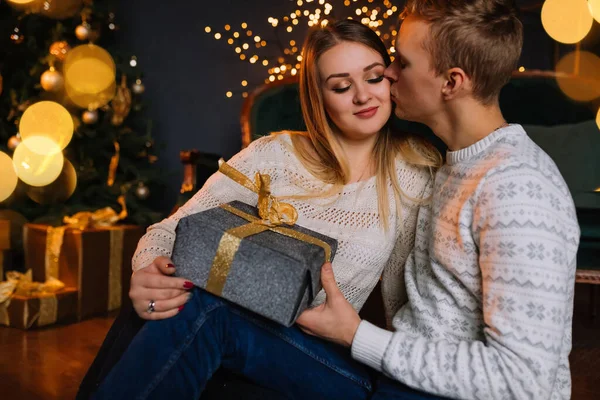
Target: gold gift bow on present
[
  {"x": 273, "y": 213},
  {"x": 104, "y": 217},
  {"x": 21, "y": 284}
]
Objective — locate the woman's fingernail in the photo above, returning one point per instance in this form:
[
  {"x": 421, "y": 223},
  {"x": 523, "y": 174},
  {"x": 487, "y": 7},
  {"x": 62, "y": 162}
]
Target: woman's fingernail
[
  {"x": 190, "y": 295},
  {"x": 170, "y": 266},
  {"x": 181, "y": 307},
  {"x": 188, "y": 285}
]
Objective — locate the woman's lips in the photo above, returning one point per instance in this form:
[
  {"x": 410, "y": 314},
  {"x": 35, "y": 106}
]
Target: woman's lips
[{"x": 367, "y": 112}]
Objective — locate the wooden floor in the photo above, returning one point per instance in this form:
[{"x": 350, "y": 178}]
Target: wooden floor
[{"x": 50, "y": 363}]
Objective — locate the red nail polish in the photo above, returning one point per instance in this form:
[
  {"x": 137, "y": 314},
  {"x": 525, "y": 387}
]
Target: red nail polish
[
  {"x": 181, "y": 307},
  {"x": 188, "y": 285},
  {"x": 170, "y": 266}
]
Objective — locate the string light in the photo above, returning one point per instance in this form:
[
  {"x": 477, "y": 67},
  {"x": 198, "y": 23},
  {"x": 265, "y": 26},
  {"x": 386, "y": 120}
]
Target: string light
[{"x": 376, "y": 14}]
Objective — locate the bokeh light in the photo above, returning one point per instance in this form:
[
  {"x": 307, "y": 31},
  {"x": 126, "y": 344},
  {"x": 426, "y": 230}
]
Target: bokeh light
[
  {"x": 578, "y": 75},
  {"x": 58, "y": 191},
  {"x": 9, "y": 180},
  {"x": 567, "y": 21},
  {"x": 38, "y": 161},
  {"x": 89, "y": 73},
  {"x": 49, "y": 119}
]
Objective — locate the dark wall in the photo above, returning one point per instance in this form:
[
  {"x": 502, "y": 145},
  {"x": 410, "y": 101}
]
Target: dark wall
[{"x": 187, "y": 72}]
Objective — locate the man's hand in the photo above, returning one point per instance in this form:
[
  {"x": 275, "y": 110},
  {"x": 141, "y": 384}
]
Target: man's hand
[
  {"x": 335, "y": 320},
  {"x": 153, "y": 283}
]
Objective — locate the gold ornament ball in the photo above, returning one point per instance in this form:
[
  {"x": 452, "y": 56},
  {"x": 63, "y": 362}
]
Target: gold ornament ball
[
  {"x": 60, "y": 50},
  {"x": 138, "y": 87},
  {"x": 82, "y": 32},
  {"x": 142, "y": 191},
  {"x": 52, "y": 80},
  {"x": 90, "y": 117},
  {"x": 13, "y": 142}
]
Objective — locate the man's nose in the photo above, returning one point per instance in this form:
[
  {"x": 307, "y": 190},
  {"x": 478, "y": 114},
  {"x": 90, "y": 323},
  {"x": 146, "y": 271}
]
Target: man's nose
[{"x": 390, "y": 73}]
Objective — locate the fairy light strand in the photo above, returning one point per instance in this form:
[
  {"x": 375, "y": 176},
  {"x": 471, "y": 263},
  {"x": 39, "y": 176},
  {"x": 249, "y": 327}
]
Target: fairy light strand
[{"x": 279, "y": 53}]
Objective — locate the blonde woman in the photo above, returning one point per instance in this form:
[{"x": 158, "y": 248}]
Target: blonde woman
[{"x": 349, "y": 178}]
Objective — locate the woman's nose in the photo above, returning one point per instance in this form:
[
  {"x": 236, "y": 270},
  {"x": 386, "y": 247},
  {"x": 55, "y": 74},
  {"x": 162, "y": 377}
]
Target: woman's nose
[{"x": 362, "y": 95}]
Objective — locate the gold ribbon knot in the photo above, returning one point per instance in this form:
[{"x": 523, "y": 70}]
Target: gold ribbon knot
[
  {"x": 271, "y": 211},
  {"x": 100, "y": 218},
  {"x": 273, "y": 214}
]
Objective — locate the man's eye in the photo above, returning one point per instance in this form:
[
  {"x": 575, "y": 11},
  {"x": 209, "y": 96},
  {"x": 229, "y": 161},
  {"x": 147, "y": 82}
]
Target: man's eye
[
  {"x": 376, "y": 80},
  {"x": 341, "y": 90}
]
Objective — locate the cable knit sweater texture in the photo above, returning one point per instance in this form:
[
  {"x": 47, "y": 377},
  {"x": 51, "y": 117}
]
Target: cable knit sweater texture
[
  {"x": 365, "y": 250},
  {"x": 490, "y": 281}
]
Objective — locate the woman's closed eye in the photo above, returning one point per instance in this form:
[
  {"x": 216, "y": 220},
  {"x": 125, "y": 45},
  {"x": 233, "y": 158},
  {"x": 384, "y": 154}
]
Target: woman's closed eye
[
  {"x": 376, "y": 80},
  {"x": 342, "y": 89},
  {"x": 345, "y": 88}
]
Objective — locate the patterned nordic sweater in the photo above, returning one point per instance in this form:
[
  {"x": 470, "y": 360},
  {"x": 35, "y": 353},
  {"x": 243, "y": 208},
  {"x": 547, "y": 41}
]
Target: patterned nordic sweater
[
  {"x": 365, "y": 251},
  {"x": 490, "y": 281}
]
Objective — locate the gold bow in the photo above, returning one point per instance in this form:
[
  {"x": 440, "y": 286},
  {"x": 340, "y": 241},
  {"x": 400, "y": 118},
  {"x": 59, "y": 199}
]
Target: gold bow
[
  {"x": 104, "y": 217},
  {"x": 22, "y": 285},
  {"x": 271, "y": 211}
]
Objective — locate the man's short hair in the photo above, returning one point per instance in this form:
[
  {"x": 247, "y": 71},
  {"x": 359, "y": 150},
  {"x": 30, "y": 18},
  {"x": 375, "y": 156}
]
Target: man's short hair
[{"x": 483, "y": 37}]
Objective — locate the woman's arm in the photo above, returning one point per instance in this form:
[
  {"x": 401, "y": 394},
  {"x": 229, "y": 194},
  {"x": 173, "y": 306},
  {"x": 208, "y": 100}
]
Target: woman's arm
[
  {"x": 151, "y": 281},
  {"x": 218, "y": 189}
]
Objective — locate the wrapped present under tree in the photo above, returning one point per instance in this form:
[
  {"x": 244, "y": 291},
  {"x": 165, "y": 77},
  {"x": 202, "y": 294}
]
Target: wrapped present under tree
[
  {"x": 4, "y": 246},
  {"x": 93, "y": 257},
  {"x": 26, "y": 304}
]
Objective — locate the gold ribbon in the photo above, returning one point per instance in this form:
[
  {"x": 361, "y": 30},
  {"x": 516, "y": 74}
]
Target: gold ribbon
[
  {"x": 100, "y": 218},
  {"x": 273, "y": 213},
  {"x": 114, "y": 163},
  {"x": 270, "y": 209},
  {"x": 104, "y": 217},
  {"x": 22, "y": 285}
]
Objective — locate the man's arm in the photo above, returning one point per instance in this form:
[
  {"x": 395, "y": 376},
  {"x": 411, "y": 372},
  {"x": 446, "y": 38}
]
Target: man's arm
[{"x": 526, "y": 322}]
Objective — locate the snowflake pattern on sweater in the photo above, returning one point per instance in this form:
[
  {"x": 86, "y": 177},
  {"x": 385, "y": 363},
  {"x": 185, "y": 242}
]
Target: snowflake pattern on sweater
[{"x": 490, "y": 281}]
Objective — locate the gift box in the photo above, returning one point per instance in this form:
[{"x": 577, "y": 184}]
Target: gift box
[
  {"x": 271, "y": 270},
  {"x": 95, "y": 261},
  {"x": 26, "y": 312},
  {"x": 4, "y": 246}
]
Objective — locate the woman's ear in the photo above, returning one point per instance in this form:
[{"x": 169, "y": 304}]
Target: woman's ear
[{"x": 456, "y": 81}]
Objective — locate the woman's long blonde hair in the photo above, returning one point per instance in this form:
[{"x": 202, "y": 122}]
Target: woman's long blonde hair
[{"x": 325, "y": 159}]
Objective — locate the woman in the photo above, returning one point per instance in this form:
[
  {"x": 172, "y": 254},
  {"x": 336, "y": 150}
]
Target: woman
[{"x": 350, "y": 179}]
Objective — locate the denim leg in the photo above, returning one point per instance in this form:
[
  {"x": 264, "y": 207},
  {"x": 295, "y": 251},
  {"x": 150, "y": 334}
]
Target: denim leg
[
  {"x": 388, "y": 389},
  {"x": 174, "y": 358}
]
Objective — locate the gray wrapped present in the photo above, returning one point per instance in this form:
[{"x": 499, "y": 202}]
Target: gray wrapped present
[{"x": 270, "y": 270}]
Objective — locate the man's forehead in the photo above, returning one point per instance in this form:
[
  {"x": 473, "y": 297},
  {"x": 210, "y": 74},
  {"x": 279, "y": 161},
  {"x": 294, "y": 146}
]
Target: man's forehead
[{"x": 411, "y": 35}]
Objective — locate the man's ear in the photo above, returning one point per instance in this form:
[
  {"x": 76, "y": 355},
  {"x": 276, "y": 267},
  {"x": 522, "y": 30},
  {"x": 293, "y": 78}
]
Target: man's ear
[{"x": 456, "y": 81}]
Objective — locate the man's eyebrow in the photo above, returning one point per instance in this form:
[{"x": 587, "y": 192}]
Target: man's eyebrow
[{"x": 345, "y": 74}]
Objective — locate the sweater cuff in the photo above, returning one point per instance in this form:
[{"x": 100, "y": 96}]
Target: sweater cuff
[{"x": 369, "y": 344}]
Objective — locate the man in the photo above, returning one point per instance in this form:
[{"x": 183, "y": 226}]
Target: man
[{"x": 491, "y": 278}]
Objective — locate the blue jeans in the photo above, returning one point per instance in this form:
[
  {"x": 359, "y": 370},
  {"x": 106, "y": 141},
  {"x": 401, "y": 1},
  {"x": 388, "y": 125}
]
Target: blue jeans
[{"x": 174, "y": 358}]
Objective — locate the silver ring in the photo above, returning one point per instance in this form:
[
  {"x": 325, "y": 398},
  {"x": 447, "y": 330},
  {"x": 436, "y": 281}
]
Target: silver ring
[{"x": 151, "y": 306}]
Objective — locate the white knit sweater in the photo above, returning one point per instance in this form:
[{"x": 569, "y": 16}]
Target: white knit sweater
[
  {"x": 490, "y": 281},
  {"x": 365, "y": 250}
]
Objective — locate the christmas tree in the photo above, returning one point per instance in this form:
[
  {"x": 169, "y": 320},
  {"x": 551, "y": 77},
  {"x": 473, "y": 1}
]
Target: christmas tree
[{"x": 66, "y": 86}]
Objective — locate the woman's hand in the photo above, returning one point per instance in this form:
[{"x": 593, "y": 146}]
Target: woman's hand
[{"x": 153, "y": 284}]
